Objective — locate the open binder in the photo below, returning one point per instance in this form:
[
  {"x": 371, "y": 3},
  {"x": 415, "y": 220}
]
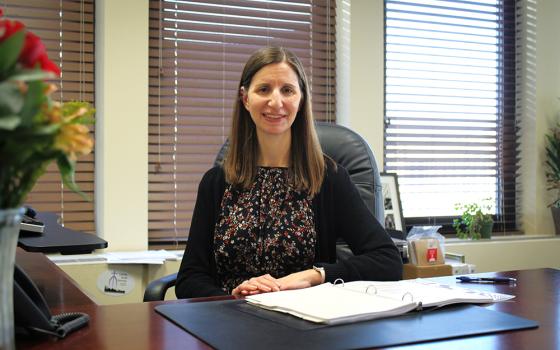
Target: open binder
[{"x": 364, "y": 300}]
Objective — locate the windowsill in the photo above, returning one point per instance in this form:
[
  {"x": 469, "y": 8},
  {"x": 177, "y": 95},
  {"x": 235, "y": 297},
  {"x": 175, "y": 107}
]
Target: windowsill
[{"x": 500, "y": 237}]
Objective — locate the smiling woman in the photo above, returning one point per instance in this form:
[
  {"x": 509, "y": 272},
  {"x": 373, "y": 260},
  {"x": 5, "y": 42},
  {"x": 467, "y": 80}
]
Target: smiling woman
[
  {"x": 269, "y": 219},
  {"x": 273, "y": 99}
]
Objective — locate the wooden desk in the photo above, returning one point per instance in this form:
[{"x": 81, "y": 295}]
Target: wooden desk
[{"x": 138, "y": 326}]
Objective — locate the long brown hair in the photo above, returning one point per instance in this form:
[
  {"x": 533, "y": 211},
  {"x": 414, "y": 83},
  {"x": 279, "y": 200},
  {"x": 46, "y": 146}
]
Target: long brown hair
[{"x": 307, "y": 165}]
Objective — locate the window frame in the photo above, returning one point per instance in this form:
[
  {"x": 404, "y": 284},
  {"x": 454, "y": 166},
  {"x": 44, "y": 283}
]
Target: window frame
[{"x": 508, "y": 157}]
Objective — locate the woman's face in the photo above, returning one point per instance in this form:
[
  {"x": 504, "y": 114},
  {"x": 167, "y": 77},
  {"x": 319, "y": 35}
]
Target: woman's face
[{"x": 273, "y": 99}]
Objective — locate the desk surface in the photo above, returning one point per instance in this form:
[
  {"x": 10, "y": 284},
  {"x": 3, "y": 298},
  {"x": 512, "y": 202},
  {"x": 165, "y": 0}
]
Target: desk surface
[{"x": 138, "y": 326}]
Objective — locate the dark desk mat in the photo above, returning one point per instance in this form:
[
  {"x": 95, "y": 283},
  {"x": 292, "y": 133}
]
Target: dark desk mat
[
  {"x": 228, "y": 325},
  {"x": 277, "y": 317}
]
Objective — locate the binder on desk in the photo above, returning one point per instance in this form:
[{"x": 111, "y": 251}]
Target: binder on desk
[{"x": 364, "y": 300}]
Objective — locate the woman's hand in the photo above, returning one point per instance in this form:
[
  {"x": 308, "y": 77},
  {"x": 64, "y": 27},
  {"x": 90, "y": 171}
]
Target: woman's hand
[
  {"x": 302, "y": 279},
  {"x": 262, "y": 284}
]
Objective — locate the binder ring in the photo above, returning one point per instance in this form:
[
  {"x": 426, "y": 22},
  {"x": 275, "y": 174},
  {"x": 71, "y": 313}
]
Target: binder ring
[
  {"x": 339, "y": 280},
  {"x": 371, "y": 286},
  {"x": 409, "y": 294}
]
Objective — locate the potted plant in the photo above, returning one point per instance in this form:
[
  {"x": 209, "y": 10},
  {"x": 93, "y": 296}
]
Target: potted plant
[
  {"x": 476, "y": 220},
  {"x": 552, "y": 149}
]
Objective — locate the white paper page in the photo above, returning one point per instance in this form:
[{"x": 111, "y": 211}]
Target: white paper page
[{"x": 428, "y": 292}]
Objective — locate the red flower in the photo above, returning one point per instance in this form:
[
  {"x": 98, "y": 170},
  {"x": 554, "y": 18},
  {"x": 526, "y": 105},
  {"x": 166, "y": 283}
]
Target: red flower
[
  {"x": 33, "y": 48},
  {"x": 48, "y": 65},
  {"x": 34, "y": 52},
  {"x": 7, "y": 28}
]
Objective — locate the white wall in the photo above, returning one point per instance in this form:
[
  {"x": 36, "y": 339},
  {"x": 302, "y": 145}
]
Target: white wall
[
  {"x": 92, "y": 277},
  {"x": 343, "y": 62},
  {"x": 121, "y": 149},
  {"x": 547, "y": 103},
  {"x": 367, "y": 73},
  {"x": 504, "y": 254}
]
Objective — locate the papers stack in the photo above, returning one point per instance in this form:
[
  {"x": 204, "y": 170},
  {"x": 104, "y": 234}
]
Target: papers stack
[{"x": 154, "y": 257}]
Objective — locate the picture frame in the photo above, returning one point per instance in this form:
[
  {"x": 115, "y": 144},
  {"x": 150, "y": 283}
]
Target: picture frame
[{"x": 394, "y": 219}]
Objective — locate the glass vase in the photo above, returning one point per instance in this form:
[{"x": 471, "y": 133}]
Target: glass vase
[{"x": 9, "y": 232}]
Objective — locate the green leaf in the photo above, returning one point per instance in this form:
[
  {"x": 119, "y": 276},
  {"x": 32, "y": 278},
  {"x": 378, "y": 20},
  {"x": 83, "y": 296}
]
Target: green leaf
[
  {"x": 82, "y": 120},
  {"x": 11, "y": 99},
  {"x": 9, "y": 122},
  {"x": 10, "y": 50},
  {"x": 32, "y": 74},
  {"x": 33, "y": 100},
  {"x": 66, "y": 168},
  {"x": 73, "y": 107},
  {"x": 47, "y": 129}
]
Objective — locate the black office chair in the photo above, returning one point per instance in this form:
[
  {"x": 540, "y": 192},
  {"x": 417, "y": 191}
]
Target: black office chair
[{"x": 348, "y": 149}]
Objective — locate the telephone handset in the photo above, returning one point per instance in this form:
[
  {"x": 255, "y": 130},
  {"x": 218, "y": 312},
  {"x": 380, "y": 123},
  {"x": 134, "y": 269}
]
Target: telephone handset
[{"x": 31, "y": 313}]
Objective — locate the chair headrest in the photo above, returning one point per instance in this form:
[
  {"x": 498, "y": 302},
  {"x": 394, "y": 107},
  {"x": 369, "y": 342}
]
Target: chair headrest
[{"x": 350, "y": 150}]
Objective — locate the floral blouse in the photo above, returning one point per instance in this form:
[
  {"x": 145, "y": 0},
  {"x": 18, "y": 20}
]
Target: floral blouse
[{"x": 268, "y": 228}]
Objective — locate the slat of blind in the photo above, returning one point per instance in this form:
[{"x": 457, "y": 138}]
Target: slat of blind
[
  {"x": 446, "y": 124},
  {"x": 42, "y": 18},
  {"x": 67, "y": 30},
  {"x": 69, "y": 6},
  {"x": 197, "y": 53}
]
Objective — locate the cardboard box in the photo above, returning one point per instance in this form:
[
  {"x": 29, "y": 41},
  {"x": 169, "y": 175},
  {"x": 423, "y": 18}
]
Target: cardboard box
[
  {"x": 426, "y": 252},
  {"x": 413, "y": 271}
]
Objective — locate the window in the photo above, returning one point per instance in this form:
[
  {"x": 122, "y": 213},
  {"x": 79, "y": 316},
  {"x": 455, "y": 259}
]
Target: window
[
  {"x": 67, "y": 29},
  {"x": 450, "y": 106},
  {"x": 197, "y": 52}
]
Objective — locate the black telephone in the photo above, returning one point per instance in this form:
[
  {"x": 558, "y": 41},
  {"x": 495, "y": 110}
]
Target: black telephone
[
  {"x": 29, "y": 225},
  {"x": 32, "y": 315}
]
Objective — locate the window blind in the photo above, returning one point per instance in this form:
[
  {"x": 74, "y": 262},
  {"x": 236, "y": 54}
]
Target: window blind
[
  {"x": 66, "y": 27},
  {"x": 197, "y": 53},
  {"x": 450, "y": 106}
]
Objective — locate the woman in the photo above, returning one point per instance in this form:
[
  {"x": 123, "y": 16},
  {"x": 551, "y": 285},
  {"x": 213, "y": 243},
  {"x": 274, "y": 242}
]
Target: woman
[{"x": 268, "y": 219}]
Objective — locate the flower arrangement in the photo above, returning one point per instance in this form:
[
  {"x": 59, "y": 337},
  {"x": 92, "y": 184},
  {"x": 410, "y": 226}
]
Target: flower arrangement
[
  {"x": 476, "y": 220},
  {"x": 34, "y": 129}
]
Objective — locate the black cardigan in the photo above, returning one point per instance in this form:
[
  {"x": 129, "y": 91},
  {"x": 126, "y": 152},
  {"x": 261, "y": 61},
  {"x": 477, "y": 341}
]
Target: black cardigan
[{"x": 338, "y": 212}]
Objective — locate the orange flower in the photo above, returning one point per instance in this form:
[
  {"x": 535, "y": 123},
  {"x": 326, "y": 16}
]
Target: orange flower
[
  {"x": 54, "y": 114},
  {"x": 50, "y": 88},
  {"x": 74, "y": 140}
]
